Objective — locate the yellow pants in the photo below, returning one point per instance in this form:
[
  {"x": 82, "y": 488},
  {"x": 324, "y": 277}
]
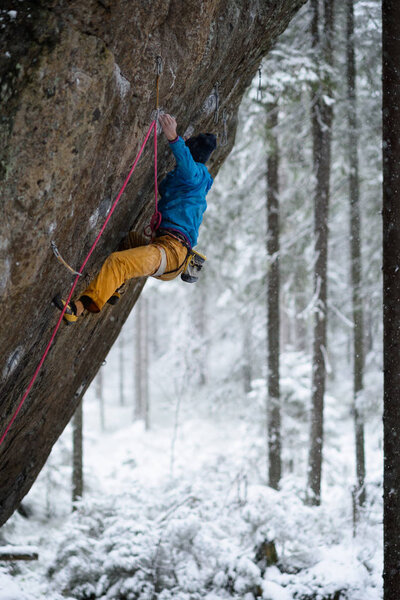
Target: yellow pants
[{"x": 136, "y": 262}]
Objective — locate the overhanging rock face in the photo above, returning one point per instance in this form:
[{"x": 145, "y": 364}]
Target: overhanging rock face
[{"x": 77, "y": 93}]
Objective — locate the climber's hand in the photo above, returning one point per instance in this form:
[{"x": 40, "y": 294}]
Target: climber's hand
[{"x": 168, "y": 124}]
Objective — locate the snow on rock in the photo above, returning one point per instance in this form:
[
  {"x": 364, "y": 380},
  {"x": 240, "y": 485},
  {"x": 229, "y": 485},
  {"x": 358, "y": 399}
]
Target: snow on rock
[{"x": 122, "y": 83}]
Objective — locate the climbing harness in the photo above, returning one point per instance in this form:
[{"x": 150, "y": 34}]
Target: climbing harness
[
  {"x": 191, "y": 264},
  {"x": 177, "y": 235},
  {"x": 62, "y": 261}
]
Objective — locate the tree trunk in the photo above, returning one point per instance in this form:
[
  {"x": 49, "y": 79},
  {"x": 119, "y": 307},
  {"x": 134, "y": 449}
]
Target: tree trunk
[
  {"x": 121, "y": 369},
  {"x": 145, "y": 364},
  {"x": 355, "y": 252},
  {"x": 141, "y": 364},
  {"x": 274, "y": 414},
  {"x": 77, "y": 458},
  {"x": 391, "y": 295},
  {"x": 247, "y": 354},
  {"x": 138, "y": 411},
  {"x": 100, "y": 397},
  {"x": 322, "y": 116}
]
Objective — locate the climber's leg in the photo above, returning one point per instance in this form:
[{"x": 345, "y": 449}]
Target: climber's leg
[
  {"x": 127, "y": 264},
  {"x": 176, "y": 254},
  {"x": 118, "y": 268}
]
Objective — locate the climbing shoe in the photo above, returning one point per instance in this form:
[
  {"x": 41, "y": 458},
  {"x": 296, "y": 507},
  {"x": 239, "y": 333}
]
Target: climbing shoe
[
  {"x": 70, "y": 314},
  {"x": 116, "y": 295}
]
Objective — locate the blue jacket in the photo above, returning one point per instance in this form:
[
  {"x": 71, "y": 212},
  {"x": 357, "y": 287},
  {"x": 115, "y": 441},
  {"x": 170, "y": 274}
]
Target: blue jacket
[{"x": 183, "y": 193}]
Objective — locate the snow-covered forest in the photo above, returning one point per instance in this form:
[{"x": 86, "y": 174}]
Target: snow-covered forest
[{"x": 204, "y": 473}]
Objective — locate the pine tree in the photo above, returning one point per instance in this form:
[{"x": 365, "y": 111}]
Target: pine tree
[
  {"x": 322, "y": 116},
  {"x": 121, "y": 368},
  {"x": 77, "y": 454},
  {"x": 274, "y": 409},
  {"x": 355, "y": 253},
  {"x": 391, "y": 294}
]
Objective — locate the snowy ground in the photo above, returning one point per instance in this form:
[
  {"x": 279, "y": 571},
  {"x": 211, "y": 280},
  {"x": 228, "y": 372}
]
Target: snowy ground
[{"x": 189, "y": 518}]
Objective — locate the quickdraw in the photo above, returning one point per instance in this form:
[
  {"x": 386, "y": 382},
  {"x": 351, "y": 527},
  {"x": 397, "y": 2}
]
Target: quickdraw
[{"x": 62, "y": 261}]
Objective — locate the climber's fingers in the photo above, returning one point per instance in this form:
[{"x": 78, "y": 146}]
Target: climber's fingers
[{"x": 168, "y": 124}]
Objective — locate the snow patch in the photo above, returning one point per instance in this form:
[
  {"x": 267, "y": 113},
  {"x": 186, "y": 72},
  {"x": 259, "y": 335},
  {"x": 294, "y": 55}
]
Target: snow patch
[
  {"x": 93, "y": 219},
  {"x": 122, "y": 83},
  {"x": 12, "y": 361},
  {"x": 173, "y": 77},
  {"x": 210, "y": 103},
  {"x": 52, "y": 228},
  {"x": 188, "y": 132},
  {"x": 274, "y": 591},
  {"x": 9, "y": 590}
]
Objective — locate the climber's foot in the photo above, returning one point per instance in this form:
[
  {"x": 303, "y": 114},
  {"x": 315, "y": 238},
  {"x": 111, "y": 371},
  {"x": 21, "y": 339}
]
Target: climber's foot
[
  {"x": 116, "y": 295},
  {"x": 71, "y": 314}
]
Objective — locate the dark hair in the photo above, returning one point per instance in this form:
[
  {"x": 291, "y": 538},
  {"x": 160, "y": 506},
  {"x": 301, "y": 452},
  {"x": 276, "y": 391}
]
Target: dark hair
[{"x": 202, "y": 146}]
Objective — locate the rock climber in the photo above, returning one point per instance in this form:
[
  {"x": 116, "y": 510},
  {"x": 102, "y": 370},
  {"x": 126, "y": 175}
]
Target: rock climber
[{"x": 183, "y": 201}]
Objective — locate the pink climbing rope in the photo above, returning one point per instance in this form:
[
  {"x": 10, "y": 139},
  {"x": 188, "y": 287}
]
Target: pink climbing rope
[
  {"x": 156, "y": 217},
  {"x": 152, "y": 127}
]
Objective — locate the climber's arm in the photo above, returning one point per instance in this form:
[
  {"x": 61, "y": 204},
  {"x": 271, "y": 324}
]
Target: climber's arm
[{"x": 186, "y": 166}]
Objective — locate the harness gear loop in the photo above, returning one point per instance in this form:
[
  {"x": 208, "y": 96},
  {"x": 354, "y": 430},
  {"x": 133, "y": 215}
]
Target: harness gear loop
[
  {"x": 62, "y": 261},
  {"x": 216, "y": 95},
  {"x": 224, "y": 137},
  {"x": 259, "y": 89}
]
